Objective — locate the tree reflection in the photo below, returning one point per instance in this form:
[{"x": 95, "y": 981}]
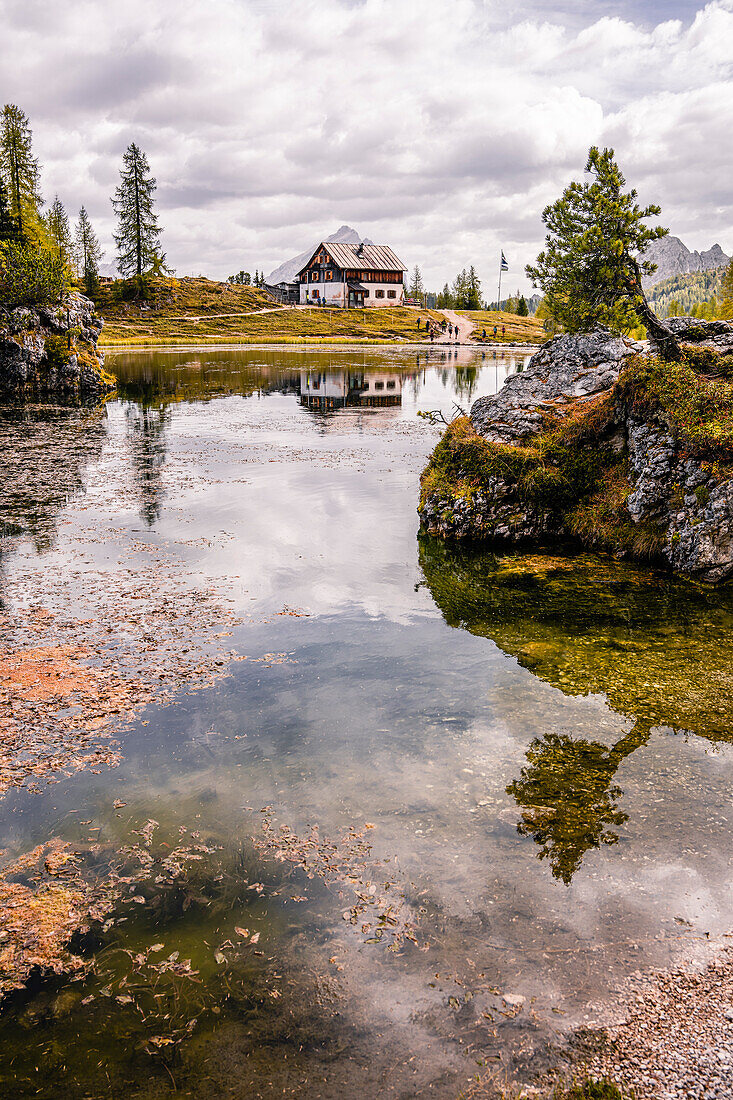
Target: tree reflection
[
  {"x": 568, "y": 798},
  {"x": 146, "y": 433}
]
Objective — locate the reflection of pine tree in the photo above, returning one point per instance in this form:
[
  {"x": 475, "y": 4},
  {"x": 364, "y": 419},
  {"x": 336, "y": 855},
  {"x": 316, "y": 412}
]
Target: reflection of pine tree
[
  {"x": 567, "y": 798},
  {"x": 465, "y": 381},
  {"x": 146, "y": 431}
]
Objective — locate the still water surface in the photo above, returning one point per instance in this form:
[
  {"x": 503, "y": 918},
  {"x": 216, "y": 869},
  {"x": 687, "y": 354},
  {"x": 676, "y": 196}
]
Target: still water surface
[{"x": 539, "y": 744}]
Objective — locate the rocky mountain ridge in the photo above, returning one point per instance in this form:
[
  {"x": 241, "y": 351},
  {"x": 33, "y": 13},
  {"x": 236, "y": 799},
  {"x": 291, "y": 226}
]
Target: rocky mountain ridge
[{"x": 672, "y": 257}]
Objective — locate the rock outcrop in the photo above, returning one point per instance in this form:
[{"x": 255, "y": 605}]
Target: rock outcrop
[
  {"x": 565, "y": 370},
  {"x": 599, "y": 442},
  {"x": 49, "y": 354}
]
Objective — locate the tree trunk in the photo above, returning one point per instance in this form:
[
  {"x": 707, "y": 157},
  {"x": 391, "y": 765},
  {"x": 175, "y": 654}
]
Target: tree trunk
[{"x": 664, "y": 338}]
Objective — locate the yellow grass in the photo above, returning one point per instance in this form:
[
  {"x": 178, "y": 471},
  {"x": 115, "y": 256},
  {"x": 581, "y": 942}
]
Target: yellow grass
[{"x": 200, "y": 311}]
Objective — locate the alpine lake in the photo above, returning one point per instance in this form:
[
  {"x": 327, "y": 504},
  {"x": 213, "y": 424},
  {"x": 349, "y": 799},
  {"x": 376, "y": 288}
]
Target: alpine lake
[{"x": 445, "y": 800}]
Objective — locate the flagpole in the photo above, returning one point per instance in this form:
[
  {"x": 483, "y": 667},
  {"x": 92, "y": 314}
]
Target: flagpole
[{"x": 501, "y": 267}]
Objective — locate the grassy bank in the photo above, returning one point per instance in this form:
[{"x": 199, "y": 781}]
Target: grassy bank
[
  {"x": 200, "y": 311},
  {"x": 519, "y": 330}
]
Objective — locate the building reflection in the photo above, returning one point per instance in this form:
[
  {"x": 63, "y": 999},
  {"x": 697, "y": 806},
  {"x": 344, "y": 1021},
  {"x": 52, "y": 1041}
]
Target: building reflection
[{"x": 339, "y": 389}]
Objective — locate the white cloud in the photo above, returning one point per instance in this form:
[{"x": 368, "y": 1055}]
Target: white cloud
[{"x": 441, "y": 129}]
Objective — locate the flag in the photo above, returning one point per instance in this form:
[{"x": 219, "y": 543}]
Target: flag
[{"x": 504, "y": 264}]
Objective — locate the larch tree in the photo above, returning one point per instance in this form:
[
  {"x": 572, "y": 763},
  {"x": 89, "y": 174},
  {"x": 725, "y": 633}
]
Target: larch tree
[
  {"x": 88, "y": 252},
  {"x": 138, "y": 232},
  {"x": 21, "y": 173},
  {"x": 59, "y": 232},
  {"x": 592, "y": 266}
]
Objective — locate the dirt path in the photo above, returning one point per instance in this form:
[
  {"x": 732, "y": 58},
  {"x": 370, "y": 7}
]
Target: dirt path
[{"x": 465, "y": 328}]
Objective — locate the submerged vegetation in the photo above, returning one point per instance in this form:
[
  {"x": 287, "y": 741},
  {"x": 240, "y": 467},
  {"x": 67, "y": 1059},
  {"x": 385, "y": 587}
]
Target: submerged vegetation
[{"x": 659, "y": 651}]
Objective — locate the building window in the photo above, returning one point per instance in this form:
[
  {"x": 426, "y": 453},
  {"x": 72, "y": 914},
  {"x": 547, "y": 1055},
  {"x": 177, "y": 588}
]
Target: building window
[
  {"x": 378, "y": 293},
  {"x": 329, "y": 274},
  {"x": 379, "y": 385},
  {"x": 391, "y": 385},
  {"x": 391, "y": 293}
]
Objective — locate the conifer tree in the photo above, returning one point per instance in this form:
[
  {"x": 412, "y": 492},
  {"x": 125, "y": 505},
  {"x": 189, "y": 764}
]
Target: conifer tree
[
  {"x": 88, "y": 252},
  {"x": 417, "y": 287},
  {"x": 725, "y": 307},
  {"x": 522, "y": 307},
  {"x": 473, "y": 290},
  {"x": 8, "y": 225},
  {"x": 20, "y": 173},
  {"x": 138, "y": 235},
  {"x": 60, "y": 233},
  {"x": 592, "y": 266}
]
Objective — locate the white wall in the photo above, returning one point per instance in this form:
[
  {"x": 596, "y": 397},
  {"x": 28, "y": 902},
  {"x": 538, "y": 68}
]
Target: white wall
[{"x": 336, "y": 294}]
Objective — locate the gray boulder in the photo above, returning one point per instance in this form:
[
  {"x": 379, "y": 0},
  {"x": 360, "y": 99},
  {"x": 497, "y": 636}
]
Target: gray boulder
[{"x": 565, "y": 370}]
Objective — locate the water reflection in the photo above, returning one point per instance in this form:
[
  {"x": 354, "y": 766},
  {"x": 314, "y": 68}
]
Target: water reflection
[
  {"x": 326, "y": 390},
  {"x": 147, "y": 427},
  {"x": 44, "y": 456},
  {"x": 660, "y": 651}
]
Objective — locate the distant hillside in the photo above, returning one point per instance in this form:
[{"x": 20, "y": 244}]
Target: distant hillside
[
  {"x": 687, "y": 291},
  {"x": 287, "y": 271},
  {"x": 672, "y": 258}
]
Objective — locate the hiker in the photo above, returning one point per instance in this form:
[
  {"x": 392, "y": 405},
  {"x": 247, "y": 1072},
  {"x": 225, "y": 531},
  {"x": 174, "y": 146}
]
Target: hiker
[
  {"x": 418, "y": 324},
  {"x": 503, "y": 331},
  {"x": 450, "y": 331},
  {"x": 443, "y": 325},
  {"x": 495, "y": 331},
  {"x": 483, "y": 334}
]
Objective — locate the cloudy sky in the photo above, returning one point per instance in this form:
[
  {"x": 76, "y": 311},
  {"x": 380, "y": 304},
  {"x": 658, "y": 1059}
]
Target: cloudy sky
[{"x": 440, "y": 127}]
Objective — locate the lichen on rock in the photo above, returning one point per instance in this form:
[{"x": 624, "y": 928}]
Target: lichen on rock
[
  {"x": 49, "y": 353},
  {"x": 601, "y": 442}
]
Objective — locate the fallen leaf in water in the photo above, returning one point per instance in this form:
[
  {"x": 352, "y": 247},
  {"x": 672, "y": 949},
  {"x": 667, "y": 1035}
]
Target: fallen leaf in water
[{"x": 242, "y": 931}]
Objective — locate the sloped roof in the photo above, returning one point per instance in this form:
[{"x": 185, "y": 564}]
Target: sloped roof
[{"x": 373, "y": 257}]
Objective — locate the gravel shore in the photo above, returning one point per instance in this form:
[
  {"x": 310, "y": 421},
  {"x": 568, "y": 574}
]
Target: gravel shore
[{"x": 676, "y": 1042}]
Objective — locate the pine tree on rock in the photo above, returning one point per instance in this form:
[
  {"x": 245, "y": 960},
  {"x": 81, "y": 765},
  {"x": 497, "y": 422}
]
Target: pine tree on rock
[
  {"x": 60, "y": 233},
  {"x": 138, "y": 235},
  {"x": 20, "y": 173},
  {"x": 593, "y": 262},
  {"x": 88, "y": 252}
]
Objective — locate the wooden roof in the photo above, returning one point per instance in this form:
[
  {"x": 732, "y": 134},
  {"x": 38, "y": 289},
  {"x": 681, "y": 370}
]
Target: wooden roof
[{"x": 367, "y": 257}]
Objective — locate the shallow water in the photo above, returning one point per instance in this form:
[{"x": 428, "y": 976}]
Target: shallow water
[{"x": 540, "y": 745}]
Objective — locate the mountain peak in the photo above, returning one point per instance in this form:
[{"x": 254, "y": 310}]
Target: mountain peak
[
  {"x": 287, "y": 271},
  {"x": 672, "y": 257}
]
